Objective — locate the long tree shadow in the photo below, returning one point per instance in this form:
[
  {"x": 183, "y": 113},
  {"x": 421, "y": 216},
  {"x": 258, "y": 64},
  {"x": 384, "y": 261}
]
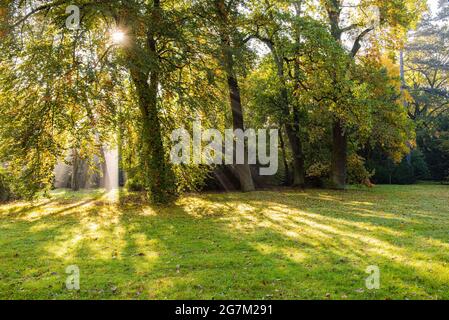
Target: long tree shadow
[
  {"x": 269, "y": 246},
  {"x": 205, "y": 250}
]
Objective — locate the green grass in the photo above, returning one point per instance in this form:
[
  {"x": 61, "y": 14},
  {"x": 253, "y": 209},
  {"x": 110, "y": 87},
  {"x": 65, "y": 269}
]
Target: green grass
[{"x": 263, "y": 245}]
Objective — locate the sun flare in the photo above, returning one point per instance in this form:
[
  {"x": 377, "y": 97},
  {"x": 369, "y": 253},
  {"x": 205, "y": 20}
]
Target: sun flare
[{"x": 117, "y": 36}]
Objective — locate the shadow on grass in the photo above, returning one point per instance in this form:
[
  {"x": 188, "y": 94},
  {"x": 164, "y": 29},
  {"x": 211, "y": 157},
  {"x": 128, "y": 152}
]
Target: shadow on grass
[{"x": 264, "y": 245}]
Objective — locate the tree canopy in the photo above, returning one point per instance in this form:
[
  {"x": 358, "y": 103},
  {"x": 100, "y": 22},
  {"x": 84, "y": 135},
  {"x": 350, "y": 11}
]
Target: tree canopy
[{"x": 324, "y": 73}]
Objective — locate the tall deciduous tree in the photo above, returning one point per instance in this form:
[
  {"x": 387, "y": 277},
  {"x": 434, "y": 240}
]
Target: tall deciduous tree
[
  {"x": 395, "y": 17},
  {"x": 426, "y": 79},
  {"x": 155, "y": 45},
  {"x": 274, "y": 24},
  {"x": 225, "y": 15}
]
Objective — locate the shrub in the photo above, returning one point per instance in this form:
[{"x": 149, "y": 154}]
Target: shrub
[
  {"x": 317, "y": 175},
  {"x": 134, "y": 185},
  {"x": 387, "y": 172},
  {"x": 6, "y": 193},
  {"x": 420, "y": 168},
  {"x": 357, "y": 172},
  {"x": 404, "y": 173},
  {"x": 446, "y": 180}
]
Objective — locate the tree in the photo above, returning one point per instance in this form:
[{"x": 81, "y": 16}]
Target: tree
[
  {"x": 134, "y": 71},
  {"x": 427, "y": 84},
  {"x": 394, "y": 18},
  {"x": 156, "y": 46},
  {"x": 427, "y": 68},
  {"x": 223, "y": 20},
  {"x": 274, "y": 25},
  {"x": 143, "y": 60}
]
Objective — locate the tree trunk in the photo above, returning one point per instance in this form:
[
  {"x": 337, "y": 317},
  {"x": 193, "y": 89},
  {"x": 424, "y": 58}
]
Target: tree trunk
[
  {"x": 298, "y": 159},
  {"x": 339, "y": 137},
  {"x": 243, "y": 170},
  {"x": 287, "y": 179},
  {"x": 292, "y": 129},
  {"x": 159, "y": 180},
  {"x": 291, "y": 120},
  {"x": 300, "y": 171},
  {"x": 104, "y": 170},
  {"x": 404, "y": 101},
  {"x": 339, "y": 155},
  {"x": 157, "y": 171},
  {"x": 75, "y": 169}
]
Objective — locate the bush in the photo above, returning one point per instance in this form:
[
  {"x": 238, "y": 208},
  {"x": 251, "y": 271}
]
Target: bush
[
  {"x": 382, "y": 173},
  {"x": 421, "y": 170},
  {"x": 404, "y": 173},
  {"x": 446, "y": 180},
  {"x": 317, "y": 175},
  {"x": 134, "y": 185},
  {"x": 386, "y": 172},
  {"x": 6, "y": 193},
  {"x": 357, "y": 172}
]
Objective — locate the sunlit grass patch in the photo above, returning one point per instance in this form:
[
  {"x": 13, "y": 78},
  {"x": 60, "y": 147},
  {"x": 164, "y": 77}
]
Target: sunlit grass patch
[{"x": 262, "y": 245}]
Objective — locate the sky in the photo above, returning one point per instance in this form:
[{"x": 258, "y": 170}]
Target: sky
[
  {"x": 263, "y": 50},
  {"x": 433, "y": 4}
]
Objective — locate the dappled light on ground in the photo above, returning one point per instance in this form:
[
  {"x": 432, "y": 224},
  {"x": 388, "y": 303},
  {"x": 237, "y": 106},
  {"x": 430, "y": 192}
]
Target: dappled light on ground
[{"x": 262, "y": 245}]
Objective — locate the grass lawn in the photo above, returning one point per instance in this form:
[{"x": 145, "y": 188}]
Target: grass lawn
[{"x": 263, "y": 245}]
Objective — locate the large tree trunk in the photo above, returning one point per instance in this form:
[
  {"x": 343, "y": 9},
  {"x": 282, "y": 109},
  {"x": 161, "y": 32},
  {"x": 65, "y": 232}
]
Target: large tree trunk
[
  {"x": 157, "y": 170},
  {"x": 339, "y": 137},
  {"x": 291, "y": 121},
  {"x": 159, "y": 180},
  {"x": 298, "y": 159},
  {"x": 339, "y": 155},
  {"x": 292, "y": 129},
  {"x": 243, "y": 170}
]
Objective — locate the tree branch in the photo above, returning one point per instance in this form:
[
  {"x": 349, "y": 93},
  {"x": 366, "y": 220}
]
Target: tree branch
[
  {"x": 38, "y": 9},
  {"x": 349, "y": 28},
  {"x": 356, "y": 47}
]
